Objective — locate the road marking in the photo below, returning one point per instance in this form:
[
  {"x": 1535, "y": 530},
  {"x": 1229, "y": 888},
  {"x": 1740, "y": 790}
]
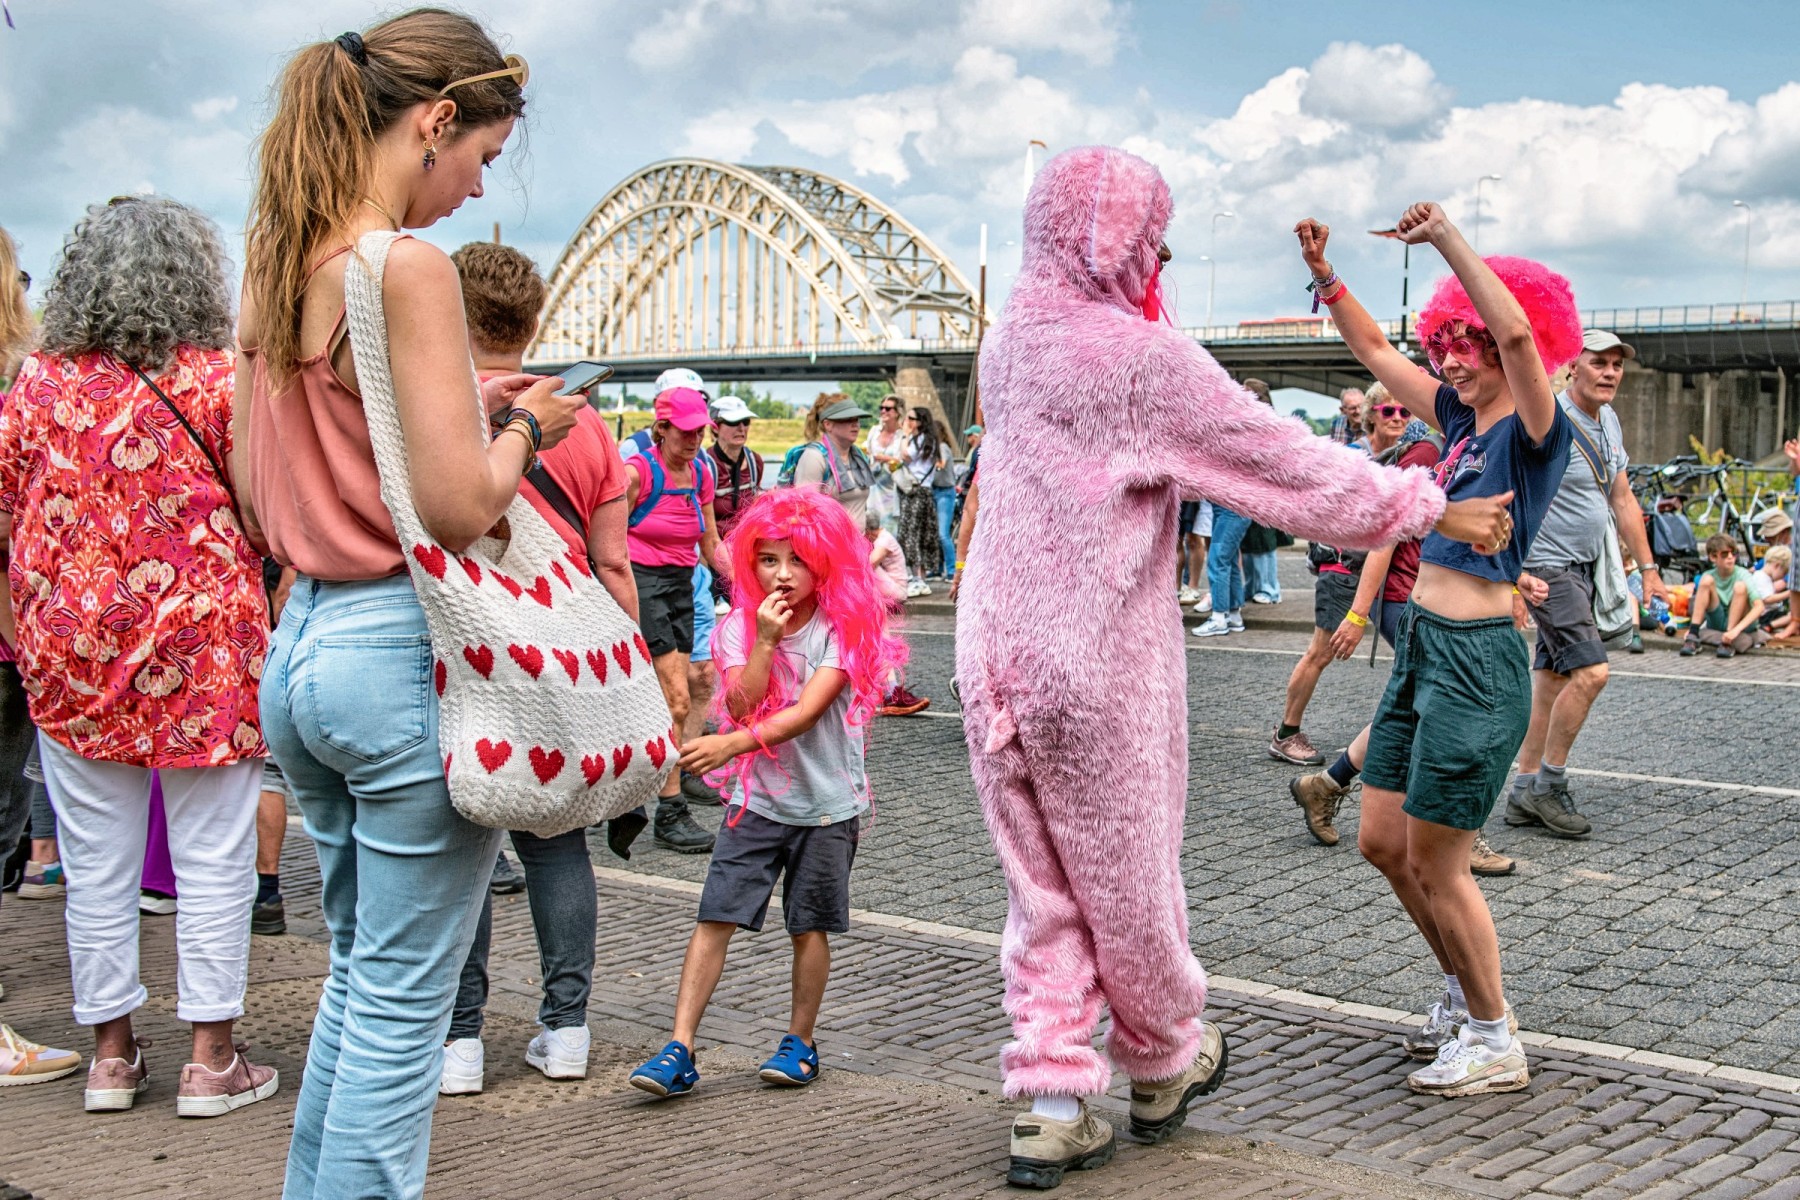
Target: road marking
[{"x": 1678, "y": 781}]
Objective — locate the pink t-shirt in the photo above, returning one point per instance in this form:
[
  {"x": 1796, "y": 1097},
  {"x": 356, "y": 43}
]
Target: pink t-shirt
[
  {"x": 890, "y": 565},
  {"x": 670, "y": 535},
  {"x": 585, "y": 465}
]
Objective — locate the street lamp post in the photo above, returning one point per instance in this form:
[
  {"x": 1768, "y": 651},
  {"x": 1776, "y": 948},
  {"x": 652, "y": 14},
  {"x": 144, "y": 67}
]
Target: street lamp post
[
  {"x": 1029, "y": 146},
  {"x": 1212, "y": 261},
  {"x": 1744, "y": 288},
  {"x": 1405, "y": 278},
  {"x": 1478, "y": 183}
]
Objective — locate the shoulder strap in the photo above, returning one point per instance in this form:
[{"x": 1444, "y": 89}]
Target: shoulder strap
[
  {"x": 194, "y": 434},
  {"x": 649, "y": 500},
  {"x": 556, "y": 498},
  {"x": 1596, "y": 463}
]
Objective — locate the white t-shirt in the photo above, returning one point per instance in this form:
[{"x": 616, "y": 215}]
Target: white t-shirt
[
  {"x": 890, "y": 565},
  {"x": 817, "y": 778}
]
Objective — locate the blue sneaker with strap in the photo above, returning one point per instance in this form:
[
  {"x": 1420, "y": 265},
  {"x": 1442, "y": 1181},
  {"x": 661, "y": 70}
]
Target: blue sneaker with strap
[
  {"x": 670, "y": 1073},
  {"x": 795, "y": 1064}
]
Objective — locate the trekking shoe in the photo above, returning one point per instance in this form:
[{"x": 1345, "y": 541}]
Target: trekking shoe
[
  {"x": 1485, "y": 860},
  {"x": 675, "y": 830},
  {"x": 670, "y": 1073},
  {"x": 1690, "y": 647},
  {"x": 157, "y": 904},
  {"x": 1214, "y": 626},
  {"x": 113, "y": 1085},
  {"x": 1318, "y": 798},
  {"x": 1235, "y": 621},
  {"x": 1724, "y": 652},
  {"x": 902, "y": 703},
  {"x": 1637, "y": 645},
  {"x": 506, "y": 880},
  {"x": 24, "y": 1061},
  {"x": 268, "y": 917},
  {"x": 208, "y": 1093},
  {"x": 1158, "y": 1107},
  {"x": 465, "y": 1064},
  {"x": 1554, "y": 810},
  {"x": 1044, "y": 1148},
  {"x": 43, "y": 881},
  {"x": 1467, "y": 1067},
  {"x": 1295, "y": 748},
  {"x": 698, "y": 791},
  {"x": 560, "y": 1053},
  {"x": 1441, "y": 1023}
]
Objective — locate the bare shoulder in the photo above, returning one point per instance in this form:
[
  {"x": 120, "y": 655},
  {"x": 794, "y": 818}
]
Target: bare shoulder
[
  {"x": 417, "y": 267},
  {"x": 249, "y": 326}
]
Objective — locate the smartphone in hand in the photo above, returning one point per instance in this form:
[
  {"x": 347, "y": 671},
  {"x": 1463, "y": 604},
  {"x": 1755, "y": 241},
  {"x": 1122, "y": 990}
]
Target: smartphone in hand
[{"x": 582, "y": 376}]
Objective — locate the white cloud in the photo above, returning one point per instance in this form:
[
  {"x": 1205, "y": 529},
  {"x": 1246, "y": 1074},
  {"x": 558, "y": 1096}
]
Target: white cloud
[
  {"x": 1374, "y": 87},
  {"x": 1084, "y": 28},
  {"x": 218, "y": 106}
]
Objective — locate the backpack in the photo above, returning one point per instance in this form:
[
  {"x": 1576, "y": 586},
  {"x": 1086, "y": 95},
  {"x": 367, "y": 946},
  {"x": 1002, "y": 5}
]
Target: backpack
[
  {"x": 791, "y": 462},
  {"x": 658, "y": 480}
]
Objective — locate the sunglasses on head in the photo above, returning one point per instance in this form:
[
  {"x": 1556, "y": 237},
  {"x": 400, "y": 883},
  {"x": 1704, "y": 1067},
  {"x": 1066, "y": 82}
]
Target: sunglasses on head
[{"x": 1390, "y": 411}]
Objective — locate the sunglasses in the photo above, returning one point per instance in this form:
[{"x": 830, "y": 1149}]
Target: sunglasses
[
  {"x": 743, "y": 424},
  {"x": 1471, "y": 348},
  {"x": 889, "y": 408},
  {"x": 1390, "y": 411},
  {"x": 25, "y": 280}
]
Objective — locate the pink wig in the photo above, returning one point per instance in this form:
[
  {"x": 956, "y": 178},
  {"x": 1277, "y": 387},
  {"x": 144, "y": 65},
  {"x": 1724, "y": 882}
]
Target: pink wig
[
  {"x": 837, "y": 553},
  {"x": 1546, "y": 297}
]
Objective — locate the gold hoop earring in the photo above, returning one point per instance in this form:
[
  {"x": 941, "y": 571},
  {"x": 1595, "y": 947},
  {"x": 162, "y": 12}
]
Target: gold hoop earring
[{"x": 430, "y": 155}]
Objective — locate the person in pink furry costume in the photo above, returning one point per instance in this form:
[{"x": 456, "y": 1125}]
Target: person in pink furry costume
[{"x": 1100, "y": 418}]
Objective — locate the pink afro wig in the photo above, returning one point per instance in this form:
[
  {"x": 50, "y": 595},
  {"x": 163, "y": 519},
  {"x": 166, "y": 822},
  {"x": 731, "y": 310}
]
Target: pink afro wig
[
  {"x": 1546, "y": 297},
  {"x": 837, "y": 553}
]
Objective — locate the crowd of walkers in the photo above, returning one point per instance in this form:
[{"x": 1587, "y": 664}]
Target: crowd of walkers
[{"x": 209, "y": 611}]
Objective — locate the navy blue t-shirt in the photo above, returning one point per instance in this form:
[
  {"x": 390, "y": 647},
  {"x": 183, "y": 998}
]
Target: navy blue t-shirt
[{"x": 1486, "y": 464}]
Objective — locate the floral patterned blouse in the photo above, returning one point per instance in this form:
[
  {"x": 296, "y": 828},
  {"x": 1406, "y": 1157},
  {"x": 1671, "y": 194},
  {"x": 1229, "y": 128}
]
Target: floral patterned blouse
[{"x": 142, "y": 619}]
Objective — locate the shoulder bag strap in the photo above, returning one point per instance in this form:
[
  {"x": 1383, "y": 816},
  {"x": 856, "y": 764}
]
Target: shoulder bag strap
[
  {"x": 224, "y": 479},
  {"x": 556, "y": 498},
  {"x": 1595, "y": 461}
]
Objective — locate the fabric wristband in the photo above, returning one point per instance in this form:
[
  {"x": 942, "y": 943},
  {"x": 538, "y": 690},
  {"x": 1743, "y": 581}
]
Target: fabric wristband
[{"x": 1356, "y": 619}]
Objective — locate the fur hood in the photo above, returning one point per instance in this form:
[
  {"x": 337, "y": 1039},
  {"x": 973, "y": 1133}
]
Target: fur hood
[{"x": 1093, "y": 221}]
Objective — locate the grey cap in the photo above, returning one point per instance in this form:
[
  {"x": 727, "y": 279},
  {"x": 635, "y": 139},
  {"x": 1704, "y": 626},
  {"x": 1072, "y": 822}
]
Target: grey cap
[
  {"x": 1600, "y": 341},
  {"x": 845, "y": 410}
]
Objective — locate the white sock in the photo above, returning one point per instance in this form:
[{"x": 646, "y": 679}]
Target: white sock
[
  {"x": 1068, "y": 1108},
  {"x": 1453, "y": 989},
  {"x": 1494, "y": 1033}
]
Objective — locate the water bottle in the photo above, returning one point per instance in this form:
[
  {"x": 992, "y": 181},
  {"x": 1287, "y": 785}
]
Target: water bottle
[{"x": 1659, "y": 612}]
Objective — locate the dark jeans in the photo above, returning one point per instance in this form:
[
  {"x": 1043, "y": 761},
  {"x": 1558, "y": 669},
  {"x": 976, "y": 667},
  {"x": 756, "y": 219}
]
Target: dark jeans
[
  {"x": 559, "y": 883},
  {"x": 17, "y": 736}
]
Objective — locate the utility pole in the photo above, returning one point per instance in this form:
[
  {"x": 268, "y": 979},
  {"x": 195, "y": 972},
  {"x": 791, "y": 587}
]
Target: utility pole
[
  {"x": 980, "y": 332},
  {"x": 496, "y": 233},
  {"x": 1212, "y": 259},
  {"x": 1478, "y": 183},
  {"x": 1744, "y": 288}
]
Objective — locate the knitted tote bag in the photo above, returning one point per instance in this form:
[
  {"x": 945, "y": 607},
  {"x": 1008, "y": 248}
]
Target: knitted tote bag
[{"x": 550, "y": 714}]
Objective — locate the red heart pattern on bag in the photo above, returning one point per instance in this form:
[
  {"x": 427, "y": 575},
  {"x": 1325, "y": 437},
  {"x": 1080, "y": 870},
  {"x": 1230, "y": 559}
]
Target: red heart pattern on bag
[
  {"x": 432, "y": 559},
  {"x": 546, "y": 766},
  {"x": 439, "y": 676},
  {"x": 593, "y": 768},
  {"x": 657, "y": 750},
  {"x": 473, "y": 570},
  {"x": 642, "y": 645},
  {"x": 540, "y": 591},
  {"x": 482, "y": 659},
  {"x": 579, "y": 562},
  {"x": 493, "y": 756},
  {"x": 622, "y": 656},
  {"x": 510, "y": 584},
  {"x": 621, "y": 760},
  {"x": 570, "y": 663},
  {"x": 596, "y": 660},
  {"x": 556, "y": 570},
  {"x": 529, "y": 658}
]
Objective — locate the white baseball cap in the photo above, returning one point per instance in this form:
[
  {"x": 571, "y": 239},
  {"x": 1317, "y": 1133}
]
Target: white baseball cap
[
  {"x": 676, "y": 377},
  {"x": 730, "y": 410},
  {"x": 1599, "y": 341}
]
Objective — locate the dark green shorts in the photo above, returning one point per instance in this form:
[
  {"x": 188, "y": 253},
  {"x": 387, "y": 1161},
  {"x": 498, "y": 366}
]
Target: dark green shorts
[{"x": 1452, "y": 718}]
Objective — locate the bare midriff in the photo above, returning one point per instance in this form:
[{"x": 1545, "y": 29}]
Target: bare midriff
[{"x": 1460, "y": 597}]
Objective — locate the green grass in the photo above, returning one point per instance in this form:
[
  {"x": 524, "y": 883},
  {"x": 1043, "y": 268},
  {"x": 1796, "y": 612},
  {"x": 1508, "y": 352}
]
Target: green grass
[{"x": 769, "y": 438}]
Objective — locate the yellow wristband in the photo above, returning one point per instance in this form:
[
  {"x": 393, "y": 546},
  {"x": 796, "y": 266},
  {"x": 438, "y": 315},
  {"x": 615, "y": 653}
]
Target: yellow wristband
[
  {"x": 961, "y": 563},
  {"x": 1515, "y": 591},
  {"x": 1360, "y": 622}
]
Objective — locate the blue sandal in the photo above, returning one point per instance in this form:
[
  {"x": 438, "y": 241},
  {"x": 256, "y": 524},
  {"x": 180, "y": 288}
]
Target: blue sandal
[
  {"x": 795, "y": 1064},
  {"x": 670, "y": 1073}
]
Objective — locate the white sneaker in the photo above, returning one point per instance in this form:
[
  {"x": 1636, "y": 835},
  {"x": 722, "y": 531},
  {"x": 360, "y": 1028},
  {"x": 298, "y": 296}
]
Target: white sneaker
[
  {"x": 1466, "y": 1066},
  {"x": 924, "y": 588},
  {"x": 722, "y": 608},
  {"x": 1214, "y": 626},
  {"x": 1442, "y": 1020},
  {"x": 464, "y": 1060},
  {"x": 1236, "y": 621},
  {"x": 914, "y": 589},
  {"x": 1204, "y": 603},
  {"x": 560, "y": 1053},
  {"x": 156, "y": 905},
  {"x": 1187, "y": 595}
]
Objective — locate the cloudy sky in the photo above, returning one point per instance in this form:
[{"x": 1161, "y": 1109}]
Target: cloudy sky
[{"x": 1621, "y": 132}]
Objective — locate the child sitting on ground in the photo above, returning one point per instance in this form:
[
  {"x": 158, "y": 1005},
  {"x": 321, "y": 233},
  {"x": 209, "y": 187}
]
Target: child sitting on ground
[
  {"x": 889, "y": 561},
  {"x": 1769, "y": 584},
  {"x": 1725, "y": 610},
  {"x": 805, "y": 654}
]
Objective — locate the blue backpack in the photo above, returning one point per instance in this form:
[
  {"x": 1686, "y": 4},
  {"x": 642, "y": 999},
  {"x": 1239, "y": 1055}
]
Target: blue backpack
[{"x": 649, "y": 500}]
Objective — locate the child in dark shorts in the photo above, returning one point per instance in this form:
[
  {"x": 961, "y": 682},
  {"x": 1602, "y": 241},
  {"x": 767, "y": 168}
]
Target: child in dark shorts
[{"x": 805, "y": 654}]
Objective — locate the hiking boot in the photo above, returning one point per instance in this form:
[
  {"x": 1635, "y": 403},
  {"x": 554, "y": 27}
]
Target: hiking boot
[
  {"x": 1295, "y": 748},
  {"x": 23, "y": 1061},
  {"x": 1318, "y": 798},
  {"x": 205, "y": 1092},
  {"x": 902, "y": 703},
  {"x": 675, "y": 829},
  {"x": 506, "y": 880},
  {"x": 113, "y": 1085},
  {"x": 698, "y": 791},
  {"x": 269, "y": 917},
  {"x": 1554, "y": 810},
  {"x": 1158, "y": 1107},
  {"x": 1466, "y": 1066},
  {"x": 1485, "y": 860},
  {"x": 1044, "y": 1148}
]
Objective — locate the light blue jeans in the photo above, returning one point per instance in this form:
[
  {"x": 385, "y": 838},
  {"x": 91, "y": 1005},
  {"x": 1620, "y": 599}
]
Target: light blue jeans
[
  {"x": 1261, "y": 577},
  {"x": 349, "y": 711},
  {"x": 1223, "y": 573},
  {"x": 945, "y": 499}
]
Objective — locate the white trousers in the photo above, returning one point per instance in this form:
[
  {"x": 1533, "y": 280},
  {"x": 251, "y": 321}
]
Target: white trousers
[{"x": 103, "y": 817}]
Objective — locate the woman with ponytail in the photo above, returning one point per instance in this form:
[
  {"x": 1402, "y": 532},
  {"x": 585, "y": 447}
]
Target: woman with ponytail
[{"x": 388, "y": 129}]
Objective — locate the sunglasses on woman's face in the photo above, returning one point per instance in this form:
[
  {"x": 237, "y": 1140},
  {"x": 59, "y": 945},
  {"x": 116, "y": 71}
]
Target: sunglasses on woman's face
[
  {"x": 25, "y": 280},
  {"x": 889, "y": 408},
  {"x": 1390, "y": 411},
  {"x": 743, "y": 424}
]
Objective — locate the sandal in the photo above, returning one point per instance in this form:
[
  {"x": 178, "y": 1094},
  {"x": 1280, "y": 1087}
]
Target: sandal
[
  {"x": 795, "y": 1064},
  {"x": 670, "y": 1073}
]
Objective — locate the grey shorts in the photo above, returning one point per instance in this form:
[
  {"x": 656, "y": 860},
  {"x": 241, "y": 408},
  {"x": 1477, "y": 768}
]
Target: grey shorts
[
  {"x": 1567, "y": 637},
  {"x": 274, "y": 781},
  {"x": 1333, "y": 594},
  {"x": 813, "y": 861}
]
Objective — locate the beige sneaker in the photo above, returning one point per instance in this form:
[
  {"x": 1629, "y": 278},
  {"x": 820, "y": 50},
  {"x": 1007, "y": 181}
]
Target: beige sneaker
[
  {"x": 1319, "y": 799},
  {"x": 113, "y": 1085},
  {"x": 1296, "y": 748},
  {"x": 1158, "y": 1107},
  {"x": 208, "y": 1093},
  {"x": 1042, "y": 1148},
  {"x": 24, "y": 1061},
  {"x": 1485, "y": 860}
]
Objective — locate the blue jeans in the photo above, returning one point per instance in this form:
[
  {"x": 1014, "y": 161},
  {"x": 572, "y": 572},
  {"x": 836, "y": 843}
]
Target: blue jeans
[
  {"x": 1223, "y": 574},
  {"x": 559, "y": 884},
  {"x": 945, "y": 499},
  {"x": 1261, "y": 577},
  {"x": 349, "y": 711}
]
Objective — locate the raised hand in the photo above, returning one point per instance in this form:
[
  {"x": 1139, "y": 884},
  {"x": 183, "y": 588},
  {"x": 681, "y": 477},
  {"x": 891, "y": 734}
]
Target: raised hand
[
  {"x": 1421, "y": 223},
  {"x": 1313, "y": 235},
  {"x": 1483, "y": 522}
]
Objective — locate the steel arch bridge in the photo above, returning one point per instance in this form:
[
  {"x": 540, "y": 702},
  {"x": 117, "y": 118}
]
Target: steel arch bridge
[{"x": 690, "y": 259}]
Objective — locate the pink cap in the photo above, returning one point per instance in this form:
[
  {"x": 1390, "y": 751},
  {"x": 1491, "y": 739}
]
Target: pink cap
[{"x": 684, "y": 408}]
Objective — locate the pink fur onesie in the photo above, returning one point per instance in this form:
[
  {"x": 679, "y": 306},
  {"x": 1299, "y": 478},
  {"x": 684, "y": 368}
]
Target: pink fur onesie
[{"x": 1069, "y": 649}]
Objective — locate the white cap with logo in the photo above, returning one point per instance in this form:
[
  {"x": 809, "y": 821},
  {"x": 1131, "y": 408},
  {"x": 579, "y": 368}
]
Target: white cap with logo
[
  {"x": 1599, "y": 341},
  {"x": 680, "y": 377}
]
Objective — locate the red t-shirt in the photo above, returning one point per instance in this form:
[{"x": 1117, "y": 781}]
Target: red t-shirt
[
  {"x": 1403, "y": 572},
  {"x": 585, "y": 465}
]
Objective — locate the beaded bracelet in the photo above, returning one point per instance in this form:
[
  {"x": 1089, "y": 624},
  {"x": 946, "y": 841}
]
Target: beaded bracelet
[
  {"x": 1318, "y": 287},
  {"x": 530, "y": 451},
  {"x": 535, "y": 430}
]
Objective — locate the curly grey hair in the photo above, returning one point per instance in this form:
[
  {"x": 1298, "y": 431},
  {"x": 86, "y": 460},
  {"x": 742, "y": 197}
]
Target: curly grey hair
[{"x": 140, "y": 276}]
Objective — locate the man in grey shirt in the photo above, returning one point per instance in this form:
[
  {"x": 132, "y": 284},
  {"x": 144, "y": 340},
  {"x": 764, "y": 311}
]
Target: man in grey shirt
[{"x": 1570, "y": 669}]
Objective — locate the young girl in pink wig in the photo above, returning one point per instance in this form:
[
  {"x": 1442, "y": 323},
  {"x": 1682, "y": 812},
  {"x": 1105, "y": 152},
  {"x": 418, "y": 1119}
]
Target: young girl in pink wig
[
  {"x": 806, "y": 654},
  {"x": 1101, "y": 418}
]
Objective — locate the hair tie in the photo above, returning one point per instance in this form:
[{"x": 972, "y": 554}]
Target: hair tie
[{"x": 352, "y": 44}]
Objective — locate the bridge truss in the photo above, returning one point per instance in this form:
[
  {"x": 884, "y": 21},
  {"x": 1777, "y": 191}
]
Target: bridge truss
[{"x": 707, "y": 260}]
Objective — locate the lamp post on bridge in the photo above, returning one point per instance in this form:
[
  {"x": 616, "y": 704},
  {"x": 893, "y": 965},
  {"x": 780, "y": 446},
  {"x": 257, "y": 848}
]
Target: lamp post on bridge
[
  {"x": 1211, "y": 260},
  {"x": 1744, "y": 288},
  {"x": 1405, "y": 278},
  {"x": 1478, "y": 183}
]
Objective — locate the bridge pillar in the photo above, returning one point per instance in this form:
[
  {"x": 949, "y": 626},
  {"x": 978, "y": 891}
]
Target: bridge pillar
[
  {"x": 1741, "y": 412},
  {"x": 920, "y": 380}
]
